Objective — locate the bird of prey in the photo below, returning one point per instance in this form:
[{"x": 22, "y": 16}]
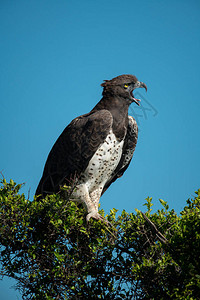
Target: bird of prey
[{"x": 95, "y": 148}]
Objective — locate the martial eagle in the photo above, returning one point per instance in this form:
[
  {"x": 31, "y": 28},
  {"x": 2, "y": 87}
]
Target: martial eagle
[{"x": 96, "y": 148}]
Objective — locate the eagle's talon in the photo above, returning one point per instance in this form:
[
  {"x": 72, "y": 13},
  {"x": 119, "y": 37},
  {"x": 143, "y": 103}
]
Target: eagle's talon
[{"x": 97, "y": 216}]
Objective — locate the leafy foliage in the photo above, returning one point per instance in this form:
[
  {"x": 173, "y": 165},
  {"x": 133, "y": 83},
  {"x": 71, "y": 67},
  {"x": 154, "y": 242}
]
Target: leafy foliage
[{"x": 52, "y": 252}]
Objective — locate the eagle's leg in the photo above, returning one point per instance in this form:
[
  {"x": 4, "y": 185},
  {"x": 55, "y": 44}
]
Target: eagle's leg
[
  {"x": 81, "y": 194},
  {"x": 89, "y": 200},
  {"x": 95, "y": 197}
]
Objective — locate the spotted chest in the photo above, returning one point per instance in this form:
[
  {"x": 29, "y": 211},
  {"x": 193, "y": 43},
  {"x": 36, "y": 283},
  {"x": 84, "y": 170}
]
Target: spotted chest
[{"x": 103, "y": 163}]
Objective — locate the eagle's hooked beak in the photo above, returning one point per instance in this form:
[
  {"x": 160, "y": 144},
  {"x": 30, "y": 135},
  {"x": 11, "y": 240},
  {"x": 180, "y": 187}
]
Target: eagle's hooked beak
[{"x": 138, "y": 84}]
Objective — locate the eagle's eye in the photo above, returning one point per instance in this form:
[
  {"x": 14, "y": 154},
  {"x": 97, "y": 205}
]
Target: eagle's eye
[{"x": 126, "y": 85}]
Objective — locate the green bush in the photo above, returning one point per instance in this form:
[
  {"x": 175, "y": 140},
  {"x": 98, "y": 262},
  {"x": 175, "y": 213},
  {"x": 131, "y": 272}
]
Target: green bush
[{"x": 52, "y": 252}]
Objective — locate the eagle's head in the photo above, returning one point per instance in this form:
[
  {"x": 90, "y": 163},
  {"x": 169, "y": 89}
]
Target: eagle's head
[{"x": 123, "y": 86}]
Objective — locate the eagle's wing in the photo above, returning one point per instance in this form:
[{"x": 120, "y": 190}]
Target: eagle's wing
[
  {"x": 127, "y": 152},
  {"x": 73, "y": 150}
]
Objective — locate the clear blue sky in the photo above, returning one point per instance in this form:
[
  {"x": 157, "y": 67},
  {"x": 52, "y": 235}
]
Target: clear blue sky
[{"x": 53, "y": 57}]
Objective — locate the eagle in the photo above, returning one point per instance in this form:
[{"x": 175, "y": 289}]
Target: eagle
[{"x": 96, "y": 148}]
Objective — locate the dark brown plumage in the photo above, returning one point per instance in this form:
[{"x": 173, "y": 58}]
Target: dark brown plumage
[{"x": 96, "y": 148}]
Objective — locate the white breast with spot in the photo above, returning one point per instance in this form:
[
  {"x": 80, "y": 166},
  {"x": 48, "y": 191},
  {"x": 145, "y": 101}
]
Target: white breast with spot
[{"x": 103, "y": 163}]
